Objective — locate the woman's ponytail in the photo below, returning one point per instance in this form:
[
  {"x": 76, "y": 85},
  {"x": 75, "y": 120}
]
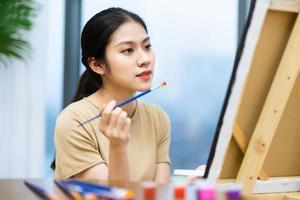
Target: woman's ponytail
[{"x": 89, "y": 83}]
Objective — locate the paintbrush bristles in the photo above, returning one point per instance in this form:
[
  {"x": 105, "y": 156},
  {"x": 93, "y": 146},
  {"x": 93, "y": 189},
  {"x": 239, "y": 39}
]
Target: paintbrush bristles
[{"x": 159, "y": 86}]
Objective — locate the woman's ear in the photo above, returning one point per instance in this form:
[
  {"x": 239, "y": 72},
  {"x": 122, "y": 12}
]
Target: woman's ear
[{"x": 97, "y": 66}]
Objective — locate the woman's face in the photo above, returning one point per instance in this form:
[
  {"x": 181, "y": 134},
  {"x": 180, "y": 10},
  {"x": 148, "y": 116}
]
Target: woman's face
[{"x": 130, "y": 58}]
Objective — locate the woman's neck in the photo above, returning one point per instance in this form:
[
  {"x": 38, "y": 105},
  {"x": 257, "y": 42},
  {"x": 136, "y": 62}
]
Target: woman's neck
[{"x": 104, "y": 95}]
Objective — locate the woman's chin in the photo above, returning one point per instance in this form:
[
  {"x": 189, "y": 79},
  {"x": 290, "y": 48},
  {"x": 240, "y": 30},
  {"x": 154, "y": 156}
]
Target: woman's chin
[{"x": 143, "y": 88}]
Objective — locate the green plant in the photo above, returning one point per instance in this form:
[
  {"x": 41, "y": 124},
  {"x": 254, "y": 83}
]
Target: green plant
[{"x": 15, "y": 18}]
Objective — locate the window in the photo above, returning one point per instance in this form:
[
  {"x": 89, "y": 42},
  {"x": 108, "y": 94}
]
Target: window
[
  {"x": 195, "y": 43},
  {"x": 54, "y": 78}
]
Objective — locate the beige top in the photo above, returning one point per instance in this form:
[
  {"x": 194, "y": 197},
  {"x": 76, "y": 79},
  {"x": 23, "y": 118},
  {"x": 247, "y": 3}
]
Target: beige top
[{"x": 78, "y": 148}]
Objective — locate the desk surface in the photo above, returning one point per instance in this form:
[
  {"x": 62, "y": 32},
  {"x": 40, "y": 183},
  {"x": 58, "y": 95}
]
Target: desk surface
[{"x": 15, "y": 189}]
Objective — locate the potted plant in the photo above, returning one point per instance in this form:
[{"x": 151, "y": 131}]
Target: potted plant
[{"x": 15, "y": 18}]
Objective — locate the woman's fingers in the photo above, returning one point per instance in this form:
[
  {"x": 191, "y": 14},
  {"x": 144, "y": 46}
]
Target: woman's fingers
[
  {"x": 120, "y": 125},
  {"x": 115, "y": 124},
  {"x": 106, "y": 114},
  {"x": 121, "y": 120},
  {"x": 126, "y": 126},
  {"x": 114, "y": 119}
]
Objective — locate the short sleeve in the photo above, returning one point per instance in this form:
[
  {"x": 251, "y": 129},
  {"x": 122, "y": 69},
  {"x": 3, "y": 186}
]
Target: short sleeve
[
  {"x": 76, "y": 148},
  {"x": 163, "y": 142}
]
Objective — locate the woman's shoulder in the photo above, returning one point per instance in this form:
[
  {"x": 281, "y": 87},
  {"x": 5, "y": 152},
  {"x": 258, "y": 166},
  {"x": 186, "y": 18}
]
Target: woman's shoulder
[
  {"x": 78, "y": 109},
  {"x": 70, "y": 117}
]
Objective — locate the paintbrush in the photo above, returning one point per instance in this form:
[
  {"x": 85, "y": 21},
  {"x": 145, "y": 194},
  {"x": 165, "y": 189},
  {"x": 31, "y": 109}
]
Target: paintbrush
[
  {"x": 125, "y": 102},
  {"x": 70, "y": 194},
  {"x": 41, "y": 191},
  {"x": 95, "y": 191}
]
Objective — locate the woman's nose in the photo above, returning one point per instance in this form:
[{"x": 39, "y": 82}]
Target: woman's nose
[{"x": 144, "y": 59}]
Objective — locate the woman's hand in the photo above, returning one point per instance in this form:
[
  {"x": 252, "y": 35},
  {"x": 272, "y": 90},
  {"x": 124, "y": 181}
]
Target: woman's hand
[{"x": 115, "y": 124}]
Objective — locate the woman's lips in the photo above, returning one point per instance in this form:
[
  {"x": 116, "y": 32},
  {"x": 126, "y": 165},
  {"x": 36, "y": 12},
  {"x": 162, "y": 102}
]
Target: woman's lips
[{"x": 146, "y": 75}]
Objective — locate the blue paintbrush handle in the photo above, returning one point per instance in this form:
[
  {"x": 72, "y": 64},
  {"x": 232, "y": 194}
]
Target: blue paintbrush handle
[
  {"x": 38, "y": 190},
  {"x": 84, "y": 188},
  {"x": 64, "y": 189},
  {"x": 132, "y": 99},
  {"x": 119, "y": 105}
]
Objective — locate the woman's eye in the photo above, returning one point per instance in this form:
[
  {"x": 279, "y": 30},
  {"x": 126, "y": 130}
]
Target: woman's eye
[
  {"x": 127, "y": 51},
  {"x": 148, "y": 47}
]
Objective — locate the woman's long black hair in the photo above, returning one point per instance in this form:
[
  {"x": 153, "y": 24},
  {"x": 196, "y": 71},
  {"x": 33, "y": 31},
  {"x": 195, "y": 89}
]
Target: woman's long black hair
[{"x": 95, "y": 37}]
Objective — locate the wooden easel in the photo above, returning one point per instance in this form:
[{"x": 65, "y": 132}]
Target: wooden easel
[
  {"x": 272, "y": 111},
  {"x": 265, "y": 142}
]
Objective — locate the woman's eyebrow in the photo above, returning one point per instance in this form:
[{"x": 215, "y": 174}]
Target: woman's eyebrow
[
  {"x": 132, "y": 42},
  {"x": 146, "y": 39}
]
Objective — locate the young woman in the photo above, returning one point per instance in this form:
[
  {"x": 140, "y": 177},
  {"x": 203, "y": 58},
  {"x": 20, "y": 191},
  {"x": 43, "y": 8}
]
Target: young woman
[{"x": 128, "y": 143}]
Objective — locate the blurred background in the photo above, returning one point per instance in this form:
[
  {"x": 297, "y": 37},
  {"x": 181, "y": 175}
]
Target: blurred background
[{"x": 195, "y": 43}]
